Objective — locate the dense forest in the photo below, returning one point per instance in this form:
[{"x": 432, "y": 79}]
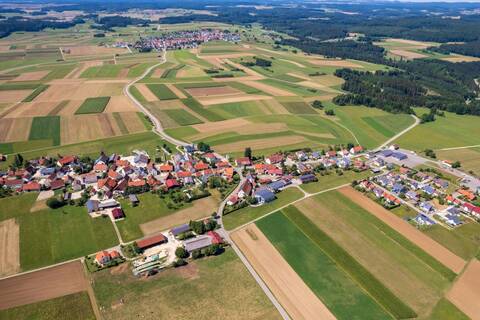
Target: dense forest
[
  {"x": 468, "y": 48},
  {"x": 17, "y": 23}
]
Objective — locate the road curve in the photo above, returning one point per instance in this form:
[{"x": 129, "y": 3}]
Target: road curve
[{"x": 157, "y": 125}]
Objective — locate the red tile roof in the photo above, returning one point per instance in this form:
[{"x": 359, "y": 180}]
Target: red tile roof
[
  {"x": 31, "y": 186},
  {"x": 148, "y": 242}
]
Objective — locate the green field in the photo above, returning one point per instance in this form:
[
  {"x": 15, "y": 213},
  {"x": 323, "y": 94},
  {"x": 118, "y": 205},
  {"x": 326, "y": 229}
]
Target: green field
[
  {"x": 294, "y": 88},
  {"x": 121, "y": 124},
  {"x": 182, "y": 117},
  {"x": 217, "y": 287},
  {"x": 344, "y": 260},
  {"x": 104, "y": 71},
  {"x": 46, "y": 128},
  {"x": 469, "y": 158},
  {"x": 236, "y": 109},
  {"x": 445, "y": 132},
  {"x": 150, "y": 208},
  {"x": 74, "y": 306},
  {"x": 333, "y": 180},
  {"x": 464, "y": 241},
  {"x": 36, "y": 92},
  {"x": 245, "y": 215},
  {"x": 342, "y": 296},
  {"x": 161, "y": 91},
  {"x": 196, "y": 107},
  {"x": 93, "y": 105},
  {"x": 51, "y": 236}
]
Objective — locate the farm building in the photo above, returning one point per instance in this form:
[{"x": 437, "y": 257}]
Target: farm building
[
  {"x": 306, "y": 178},
  {"x": 264, "y": 196},
  {"x": 180, "y": 229},
  {"x": 151, "y": 241},
  {"x": 197, "y": 243},
  {"x": 117, "y": 214}
]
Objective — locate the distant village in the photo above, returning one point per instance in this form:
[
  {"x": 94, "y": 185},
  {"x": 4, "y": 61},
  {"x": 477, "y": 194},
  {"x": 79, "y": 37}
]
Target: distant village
[
  {"x": 180, "y": 40},
  {"x": 188, "y": 174}
]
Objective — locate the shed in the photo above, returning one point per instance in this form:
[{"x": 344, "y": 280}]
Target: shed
[
  {"x": 264, "y": 196},
  {"x": 151, "y": 241},
  {"x": 133, "y": 199},
  {"x": 180, "y": 229}
]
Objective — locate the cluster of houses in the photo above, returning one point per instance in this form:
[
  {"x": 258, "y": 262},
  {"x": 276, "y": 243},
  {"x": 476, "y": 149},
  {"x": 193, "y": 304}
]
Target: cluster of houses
[
  {"x": 430, "y": 195},
  {"x": 111, "y": 176},
  {"x": 183, "y": 40},
  {"x": 281, "y": 170}
]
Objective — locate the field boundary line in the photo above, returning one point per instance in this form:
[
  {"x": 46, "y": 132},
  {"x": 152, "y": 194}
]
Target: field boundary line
[
  {"x": 401, "y": 133},
  {"x": 457, "y": 148}
]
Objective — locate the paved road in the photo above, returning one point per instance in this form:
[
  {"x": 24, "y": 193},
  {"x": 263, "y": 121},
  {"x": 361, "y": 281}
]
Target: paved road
[
  {"x": 157, "y": 125},
  {"x": 395, "y": 137}
]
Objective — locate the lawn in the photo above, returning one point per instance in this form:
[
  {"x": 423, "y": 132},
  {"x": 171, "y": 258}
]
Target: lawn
[
  {"x": 150, "y": 208},
  {"x": 464, "y": 241},
  {"x": 74, "y": 306},
  {"x": 46, "y": 128},
  {"x": 182, "y": 117},
  {"x": 445, "y": 132},
  {"x": 161, "y": 91},
  {"x": 51, "y": 236},
  {"x": 217, "y": 287},
  {"x": 342, "y": 296},
  {"x": 93, "y": 105},
  {"x": 245, "y": 215},
  {"x": 333, "y": 180}
]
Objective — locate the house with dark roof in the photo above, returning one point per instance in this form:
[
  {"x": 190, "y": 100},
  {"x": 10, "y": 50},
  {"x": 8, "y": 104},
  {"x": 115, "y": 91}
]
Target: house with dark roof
[
  {"x": 264, "y": 196},
  {"x": 118, "y": 214},
  {"x": 306, "y": 178},
  {"x": 198, "y": 243}
]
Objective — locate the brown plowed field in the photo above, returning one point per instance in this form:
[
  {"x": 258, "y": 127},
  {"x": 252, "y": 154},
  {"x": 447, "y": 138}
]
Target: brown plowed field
[
  {"x": 120, "y": 104},
  {"x": 407, "y": 54},
  {"x": 42, "y": 285},
  {"x": 146, "y": 93},
  {"x": 465, "y": 293},
  {"x": 212, "y": 91},
  {"x": 294, "y": 295},
  {"x": 259, "y": 143},
  {"x": 7, "y": 96},
  {"x": 32, "y": 76},
  {"x": 9, "y": 242},
  {"x": 443, "y": 255}
]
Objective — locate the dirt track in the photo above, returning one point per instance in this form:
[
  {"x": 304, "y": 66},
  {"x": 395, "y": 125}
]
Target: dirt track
[
  {"x": 443, "y": 255},
  {"x": 294, "y": 295},
  {"x": 42, "y": 285},
  {"x": 9, "y": 242},
  {"x": 465, "y": 293}
]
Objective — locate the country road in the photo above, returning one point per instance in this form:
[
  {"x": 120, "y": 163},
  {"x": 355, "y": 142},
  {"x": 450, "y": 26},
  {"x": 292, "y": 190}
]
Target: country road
[
  {"x": 157, "y": 125},
  {"x": 395, "y": 137}
]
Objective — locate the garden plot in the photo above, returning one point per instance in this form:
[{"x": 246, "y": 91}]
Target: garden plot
[{"x": 294, "y": 295}]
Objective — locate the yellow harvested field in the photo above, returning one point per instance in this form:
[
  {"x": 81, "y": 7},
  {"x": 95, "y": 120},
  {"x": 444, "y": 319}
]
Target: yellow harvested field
[
  {"x": 189, "y": 72},
  {"x": 120, "y": 104},
  {"x": 460, "y": 58},
  {"x": 250, "y": 128},
  {"x": 465, "y": 293},
  {"x": 316, "y": 85},
  {"x": 272, "y": 106},
  {"x": 439, "y": 252},
  {"x": 298, "y": 64},
  {"x": 269, "y": 89},
  {"x": 12, "y": 130},
  {"x": 414, "y": 43},
  {"x": 300, "y": 76},
  {"x": 200, "y": 209},
  {"x": 227, "y": 55},
  {"x": 176, "y": 91},
  {"x": 132, "y": 121},
  {"x": 87, "y": 127},
  {"x": 9, "y": 242},
  {"x": 8, "y": 96},
  {"x": 208, "y": 101},
  {"x": 259, "y": 144},
  {"x": 287, "y": 286},
  {"x": 407, "y": 54},
  {"x": 80, "y": 91},
  {"x": 70, "y": 108},
  {"x": 328, "y": 80},
  {"x": 212, "y": 91},
  {"x": 31, "y": 109},
  {"x": 146, "y": 93},
  {"x": 91, "y": 50},
  {"x": 335, "y": 63},
  {"x": 221, "y": 125},
  {"x": 32, "y": 76}
]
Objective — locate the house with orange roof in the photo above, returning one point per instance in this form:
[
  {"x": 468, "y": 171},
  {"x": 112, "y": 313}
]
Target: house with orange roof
[{"x": 469, "y": 195}]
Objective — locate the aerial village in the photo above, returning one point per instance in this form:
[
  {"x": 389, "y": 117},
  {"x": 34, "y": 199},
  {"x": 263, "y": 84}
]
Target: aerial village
[
  {"x": 185, "y": 175},
  {"x": 180, "y": 40}
]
